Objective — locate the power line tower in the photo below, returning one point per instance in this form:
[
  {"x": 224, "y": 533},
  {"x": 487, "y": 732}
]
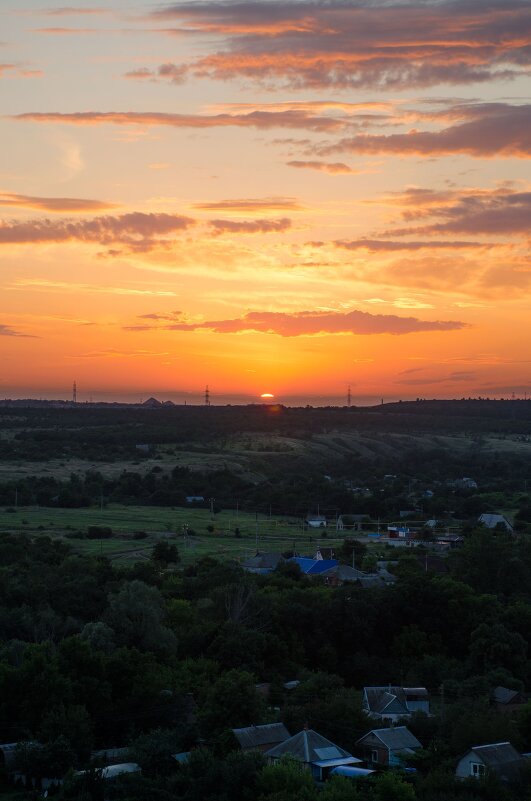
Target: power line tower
[
  {"x": 207, "y": 396},
  {"x": 349, "y": 397},
  {"x": 74, "y": 393}
]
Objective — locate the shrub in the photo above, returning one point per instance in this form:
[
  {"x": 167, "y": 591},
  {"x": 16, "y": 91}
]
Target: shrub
[{"x": 99, "y": 532}]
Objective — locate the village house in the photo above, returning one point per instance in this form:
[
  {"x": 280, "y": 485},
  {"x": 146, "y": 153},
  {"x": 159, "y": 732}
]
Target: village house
[
  {"x": 492, "y": 521},
  {"x": 314, "y": 752},
  {"x": 313, "y": 567},
  {"x": 501, "y": 759},
  {"x": 388, "y": 747},
  {"x": 390, "y": 703},
  {"x": 351, "y": 522},
  {"x": 261, "y": 738},
  {"x": 315, "y": 521},
  {"x": 507, "y": 701},
  {"x": 263, "y": 563}
]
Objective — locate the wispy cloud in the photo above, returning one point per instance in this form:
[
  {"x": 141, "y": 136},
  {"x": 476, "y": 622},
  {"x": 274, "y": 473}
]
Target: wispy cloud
[
  {"x": 8, "y": 331},
  {"x": 390, "y": 246},
  {"x": 456, "y": 377},
  {"x": 250, "y": 226},
  {"x": 309, "y": 323},
  {"x": 66, "y": 286},
  {"x": 172, "y": 73},
  {"x": 316, "y": 44},
  {"x": 251, "y": 204},
  {"x": 334, "y": 168},
  {"x": 261, "y": 120},
  {"x": 54, "y": 204},
  {"x": 499, "y": 211},
  {"x": 496, "y": 130},
  {"x": 137, "y": 230}
]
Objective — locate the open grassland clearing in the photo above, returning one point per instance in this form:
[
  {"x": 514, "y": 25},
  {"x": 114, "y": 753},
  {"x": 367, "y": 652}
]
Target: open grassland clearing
[{"x": 234, "y": 534}]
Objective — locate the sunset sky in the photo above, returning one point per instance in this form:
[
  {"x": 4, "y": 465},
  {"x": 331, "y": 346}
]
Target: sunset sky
[{"x": 266, "y": 197}]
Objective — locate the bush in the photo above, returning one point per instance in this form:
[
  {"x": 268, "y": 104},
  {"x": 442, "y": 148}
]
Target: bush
[{"x": 99, "y": 532}]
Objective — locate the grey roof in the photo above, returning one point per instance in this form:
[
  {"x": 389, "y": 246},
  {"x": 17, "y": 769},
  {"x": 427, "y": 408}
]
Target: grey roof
[
  {"x": 263, "y": 561},
  {"x": 373, "y": 580},
  {"x": 492, "y": 520},
  {"x": 502, "y": 695},
  {"x": 398, "y": 738},
  {"x": 309, "y": 746},
  {"x": 345, "y": 573},
  {"x": 496, "y": 755},
  {"x": 379, "y": 698},
  {"x": 255, "y": 736}
]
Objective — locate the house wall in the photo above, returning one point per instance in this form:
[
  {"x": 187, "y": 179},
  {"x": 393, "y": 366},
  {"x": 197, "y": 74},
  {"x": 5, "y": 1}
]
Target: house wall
[
  {"x": 370, "y": 744},
  {"x": 463, "y": 769},
  {"x": 419, "y": 706},
  {"x": 509, "y": 709},
  {"x": 383, "y": 755}
]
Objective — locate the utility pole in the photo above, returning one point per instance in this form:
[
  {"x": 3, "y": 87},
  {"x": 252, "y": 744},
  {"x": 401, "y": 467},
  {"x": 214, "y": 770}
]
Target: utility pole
[
  {"x": 207, "y": 396},
  {"x": 74, "y": 393}
]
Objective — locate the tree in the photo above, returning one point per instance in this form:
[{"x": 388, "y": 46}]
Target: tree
[
  {"x": 287, "y": 781},
  {"x": 154, "y": 751},
  {"x": 392, "y": 787},
  {"x": 74, "y": 724},
  {"x": 339, "y": 788},
  {"x": 165, "y": 553},
  {"x": 230, "y": 702},
  {"x": 136, "y": 614}
]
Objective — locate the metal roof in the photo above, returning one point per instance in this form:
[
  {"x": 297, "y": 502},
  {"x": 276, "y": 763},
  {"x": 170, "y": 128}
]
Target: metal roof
[
  {"x": 263, "y": 561},
  {"x": 491, "y": 520},
  {"x": 346, "y": 573},
  {"x": 351, "y": 773},
  {"x": 496, "y": 754},
  {"x": 313, "y": 566},
  {"x": 332, "y": 763},
  {"x": 380, "y": 698},
  {"x": 308, "y": 746},
  {"x": 398, "y": 738},
  {"x": 502, "y": 695},
  {"x": 256, "y": 736}
]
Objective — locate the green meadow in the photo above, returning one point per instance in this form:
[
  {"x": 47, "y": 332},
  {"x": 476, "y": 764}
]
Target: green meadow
[{"x": 229, "y": 534}]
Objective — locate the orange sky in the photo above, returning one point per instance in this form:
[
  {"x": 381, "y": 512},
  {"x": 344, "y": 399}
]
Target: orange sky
[{"x": 267, "y": 197}]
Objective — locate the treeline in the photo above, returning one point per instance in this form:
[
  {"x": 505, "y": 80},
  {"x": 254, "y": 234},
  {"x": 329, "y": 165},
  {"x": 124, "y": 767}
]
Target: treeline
[
  {"x": 292, "y": 492},
  {"x": 111, "y": 433}
]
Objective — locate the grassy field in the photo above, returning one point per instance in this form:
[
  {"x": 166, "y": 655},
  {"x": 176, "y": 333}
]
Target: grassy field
[{"x": 174, "y": 524}]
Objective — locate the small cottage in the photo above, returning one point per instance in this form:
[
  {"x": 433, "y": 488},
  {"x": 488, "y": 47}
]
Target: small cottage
[
  {"x": 388, "y": 747},
  {"x": 261, "y": 738},
  {"x": 501, "y": 759},
  {"x": 314, "y": 752}
]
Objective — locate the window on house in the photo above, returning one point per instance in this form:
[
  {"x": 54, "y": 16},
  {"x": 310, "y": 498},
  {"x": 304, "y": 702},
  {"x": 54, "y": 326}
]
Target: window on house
[
  {"x": 374, "y": 756},
  {"x": 477, "y": 769}
]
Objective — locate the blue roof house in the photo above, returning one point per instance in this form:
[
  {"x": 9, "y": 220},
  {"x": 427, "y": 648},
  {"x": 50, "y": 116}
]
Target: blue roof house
[{"x": 313, "y": 567}]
